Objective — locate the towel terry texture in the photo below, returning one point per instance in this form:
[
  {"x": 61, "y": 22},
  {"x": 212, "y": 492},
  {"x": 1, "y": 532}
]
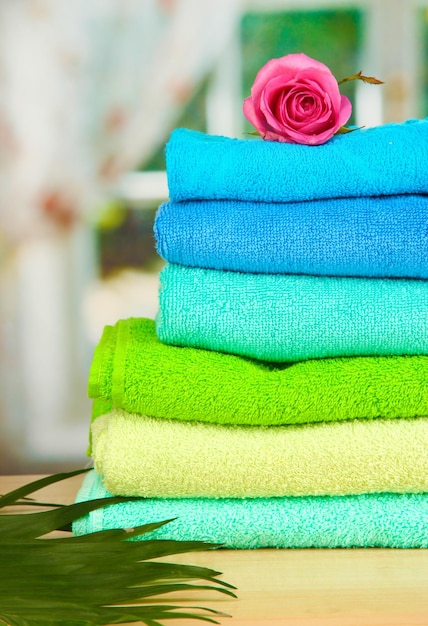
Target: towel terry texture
[
  {"x": 146, "y": 456},
  {"x": 281, "y": 317},
  {"x": 133, "y": 370},
  {"x": 386, "y": 160},
  {"x": 371, "y": 520},
  {"x": 379, "y": 237}
]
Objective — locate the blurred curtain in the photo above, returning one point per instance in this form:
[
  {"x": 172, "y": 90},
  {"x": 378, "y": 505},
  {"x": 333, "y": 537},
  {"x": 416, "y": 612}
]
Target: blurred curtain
[{"x": 88, "y": 89}]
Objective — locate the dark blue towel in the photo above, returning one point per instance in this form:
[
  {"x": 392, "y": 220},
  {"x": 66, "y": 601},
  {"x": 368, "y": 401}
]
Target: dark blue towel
[{"x": 369, "y": 237}]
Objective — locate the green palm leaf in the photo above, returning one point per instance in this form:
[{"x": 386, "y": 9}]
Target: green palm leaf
[{"x": 97, "y": 579}]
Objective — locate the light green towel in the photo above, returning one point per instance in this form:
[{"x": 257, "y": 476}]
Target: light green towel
[
  {"x": 383, "y": 520},
  {"x": 133, "y": 370},
  {"x": 156, "y": 457},
  {"x": 286, "y": 317}
]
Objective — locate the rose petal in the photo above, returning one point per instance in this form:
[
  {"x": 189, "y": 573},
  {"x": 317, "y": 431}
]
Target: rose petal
[
  {"x": 260, "y": 84},
  {"x": 319, "y": 111},
  {"x": 304, "y": 105},
  {"x": 345, "y": 111},
  {"x": 251, "y": 113},
  {"x": 292, "y": 64},
  {"x": 288, "y": 66},
  {"x": 276, "y": 97},
  {"x": 323, "y": 81}
]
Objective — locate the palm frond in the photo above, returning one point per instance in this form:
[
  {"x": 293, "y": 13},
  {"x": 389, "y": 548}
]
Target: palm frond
[
  {"x": 18, "y": 494},
  {"x": 96, "y": 579}
]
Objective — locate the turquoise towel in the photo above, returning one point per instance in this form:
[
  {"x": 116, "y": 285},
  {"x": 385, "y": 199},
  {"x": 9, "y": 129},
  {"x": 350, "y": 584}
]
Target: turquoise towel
[
  {"x": 387, "y": 160},
  {"x": 366, "y": 521},
  {"x": 144, "y": 456},
  {"x": 133, "y": 370},
  {"x": 379, "y": 237},
  {"x": 292, "y": 318}
]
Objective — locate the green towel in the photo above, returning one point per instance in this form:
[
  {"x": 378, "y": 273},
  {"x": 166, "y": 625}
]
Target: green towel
[
  {"x": 148, "y": 456},
  {"x": 133, "y": 370},
  {"x": 381, "y": 520},
  {"x": 285, "y": 317}
]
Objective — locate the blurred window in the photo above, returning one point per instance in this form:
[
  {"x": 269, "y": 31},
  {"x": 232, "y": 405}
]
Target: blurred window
[{"x": 332, "y": 36}]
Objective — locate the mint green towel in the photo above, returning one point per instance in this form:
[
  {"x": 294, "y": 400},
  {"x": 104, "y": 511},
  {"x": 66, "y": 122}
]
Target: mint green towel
[
  {"x": 147, "y": 456},
  {"x": 133, "y": 370},
  {"x": 292, "y": 318},
  {"x": 379, "y": 520}
]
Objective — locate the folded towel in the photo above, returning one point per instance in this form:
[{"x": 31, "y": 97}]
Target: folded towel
[
  {"x": 386, "y": 160},
  {"x": 133, "y": 370},
  {"x": 165, "y": 458},
  {"x": 275, "y": 317},
  {"x": 370, "y": 520},
  {"x": 381, "y": 236}
]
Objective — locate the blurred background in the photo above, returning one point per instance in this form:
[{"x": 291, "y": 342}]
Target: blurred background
[{"x": 89, "y": 92}]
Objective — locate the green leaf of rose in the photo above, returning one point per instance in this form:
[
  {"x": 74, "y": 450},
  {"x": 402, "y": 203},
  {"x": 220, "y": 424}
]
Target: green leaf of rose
[{"x": 360, "y": 76}]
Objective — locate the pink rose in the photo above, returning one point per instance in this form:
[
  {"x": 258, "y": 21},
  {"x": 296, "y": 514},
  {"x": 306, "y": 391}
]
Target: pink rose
[{"x": 296, "y": 99}]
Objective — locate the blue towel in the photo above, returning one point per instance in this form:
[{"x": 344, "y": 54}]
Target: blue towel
[
  {"x": 386, "y": 160},
  {"x": 284, "y": 317},
  {"x": 370, "y": 520},
  {"x": 372, "y": 236}
]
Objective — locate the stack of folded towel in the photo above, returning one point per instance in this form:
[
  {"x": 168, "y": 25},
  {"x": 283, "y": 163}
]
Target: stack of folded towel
[{"x": 281, "y": 399}]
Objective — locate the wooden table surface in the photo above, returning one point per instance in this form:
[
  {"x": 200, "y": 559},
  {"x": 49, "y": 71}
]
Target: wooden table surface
[{"x": 370, "y": 587}]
